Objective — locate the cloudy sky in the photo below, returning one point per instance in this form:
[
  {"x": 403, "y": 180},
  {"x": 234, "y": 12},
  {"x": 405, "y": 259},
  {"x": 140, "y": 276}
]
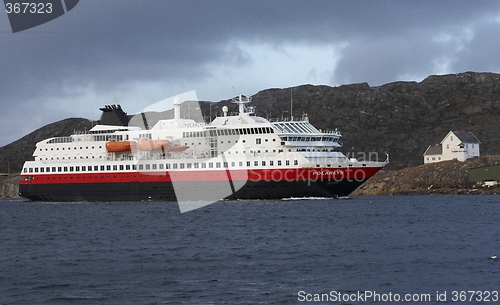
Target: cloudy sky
[{"x": 137, "y": 52}]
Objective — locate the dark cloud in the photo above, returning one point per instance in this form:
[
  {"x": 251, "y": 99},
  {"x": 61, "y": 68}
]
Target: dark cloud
[{"x": 102, "y": 48}]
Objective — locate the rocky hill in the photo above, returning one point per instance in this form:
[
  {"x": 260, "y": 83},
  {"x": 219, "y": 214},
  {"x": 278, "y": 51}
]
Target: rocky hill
[
  {"x": 400, "y": 118},
  {"x": 12, "y": 156}
]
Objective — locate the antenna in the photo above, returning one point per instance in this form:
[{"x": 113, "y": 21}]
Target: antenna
[{"x": 291, "y": 104}]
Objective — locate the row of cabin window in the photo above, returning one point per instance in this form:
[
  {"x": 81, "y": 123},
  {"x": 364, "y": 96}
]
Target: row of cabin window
[
  {"x": 308, "y": 139},
  {"x": 107, "y": 131},
  {"x": 108, "y": 137},
  {"x": 69, "y": 148},
  {"x": 96, "y": 138},
  {"x": 160, "y": 166},
  {"x": 227, "y": 132}
]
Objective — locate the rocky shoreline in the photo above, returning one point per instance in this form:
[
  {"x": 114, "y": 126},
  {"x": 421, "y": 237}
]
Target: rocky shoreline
[
  {"x": 445, "y": 178},
  {"x": 9, "y": 186}
]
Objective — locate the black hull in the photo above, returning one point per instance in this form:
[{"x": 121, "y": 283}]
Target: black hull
[{"x": 166, "y": 191}]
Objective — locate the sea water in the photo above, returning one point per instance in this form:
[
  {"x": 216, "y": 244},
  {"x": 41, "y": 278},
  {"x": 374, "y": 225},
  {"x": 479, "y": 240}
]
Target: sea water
[{"x": 432, "y": 249}]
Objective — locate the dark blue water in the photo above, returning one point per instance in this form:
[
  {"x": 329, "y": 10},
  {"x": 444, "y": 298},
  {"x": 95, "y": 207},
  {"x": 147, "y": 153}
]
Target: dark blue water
[{"x": 255, "y": 252}]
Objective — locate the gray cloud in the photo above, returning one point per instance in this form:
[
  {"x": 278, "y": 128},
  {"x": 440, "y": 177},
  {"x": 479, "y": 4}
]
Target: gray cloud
[{"x": 110, "y": 51}]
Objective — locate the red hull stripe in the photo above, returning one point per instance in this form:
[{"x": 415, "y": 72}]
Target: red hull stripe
[{"x": 288, "y": 174}]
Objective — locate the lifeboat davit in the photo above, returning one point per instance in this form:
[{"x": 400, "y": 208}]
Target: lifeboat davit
[
  {"x": 177, "y": 148},
  {"x": 113, "y": 146},
  {"x": 149, "y": 145}
]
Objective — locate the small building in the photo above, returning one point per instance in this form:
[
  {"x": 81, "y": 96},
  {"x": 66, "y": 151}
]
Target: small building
[{"x": 457, "y": 145}]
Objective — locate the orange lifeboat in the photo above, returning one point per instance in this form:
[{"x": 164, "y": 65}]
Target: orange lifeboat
[
  {"x": 149, "y": 145},
  {"x": 113, "y": 146},
  {"x": 177, "y": 148}
]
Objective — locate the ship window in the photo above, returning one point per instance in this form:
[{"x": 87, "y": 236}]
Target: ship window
[
  {"x": 263, "y": 163},
  {"x": 287, "y": 162},
  {"x": 248, "y": 163},
  {"x": 295, "y": 162},
  {"x": 108, "y": 167},
  {"x": 47, "y": 169},
  {"x": 271, "y": 163},
  {"x": 256, "y": 163},
  {"x": 96, "y": 168},
  {"x": 279, "y": 162},
  {"x": 59, "y": 169},
  {"x": 71, "y": 168},
  {"x": 210, "y": 165},
  {"x": 141, "y": 166},
  {"x": 182, "y": 165},
  {"x": 188, "y": 165},
  {"x": 53, "y": 169},
  {"x": 160, "y": 166},
  {"x": 77, "y": 168},
  {"x": 196, "y": 165},
  {"x": 115, "y": 167},
  {"x": 122, "y": 167},
  {"x": 127, "y": 167},
  {"x": 65, "y": 168},
  {"x": 102, "y": 167},
  {"x": 154, "y": 166},
  {"x": 84, "y": 168},
  {"x": 174, "y": 166},
  {"x": 134, "y": 167},
  {"x": 148, "y": 166},
  {"x": 240, "y": 163},
  {"x": 258, "y": 141},
  {"x": 36, "y": 169},
  {"x": 233, "y": 164},
  {"x": 167, "y": 166},
  {"x": 203, "y": 165}
]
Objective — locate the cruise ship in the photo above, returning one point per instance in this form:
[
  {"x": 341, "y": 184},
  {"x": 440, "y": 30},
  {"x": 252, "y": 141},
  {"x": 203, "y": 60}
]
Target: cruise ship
[{"x": 236, "y": 156}]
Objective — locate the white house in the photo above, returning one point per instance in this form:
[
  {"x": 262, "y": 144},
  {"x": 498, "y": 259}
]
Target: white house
[{"x": 456, "y": 145}]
